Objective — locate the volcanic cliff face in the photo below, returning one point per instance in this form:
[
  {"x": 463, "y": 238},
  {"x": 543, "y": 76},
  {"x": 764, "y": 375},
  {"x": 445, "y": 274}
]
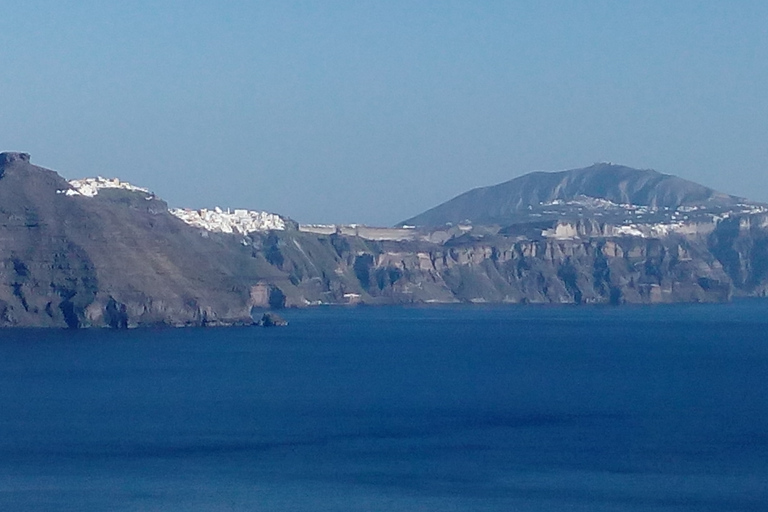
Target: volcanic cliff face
[
  {"x": 740, "y": 243},
  {"x": 118, "y": 258},
  {"x": 339, "y": 269},
  {"x": 114, "y": 259}
]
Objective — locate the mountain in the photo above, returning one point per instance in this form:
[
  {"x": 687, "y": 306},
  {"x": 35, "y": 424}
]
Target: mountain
[
  {"x": 117, "y": 257},
  {"x": 102, "y": 253},
  {"x": 504, "y": 203}
]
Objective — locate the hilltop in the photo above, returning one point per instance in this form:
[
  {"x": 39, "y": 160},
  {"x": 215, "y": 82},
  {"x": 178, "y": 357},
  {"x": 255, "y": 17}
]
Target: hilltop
[{"x": 595, "y": 188}]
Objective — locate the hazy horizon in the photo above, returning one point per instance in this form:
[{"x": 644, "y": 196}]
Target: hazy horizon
[{"x": 372, "y": 113}]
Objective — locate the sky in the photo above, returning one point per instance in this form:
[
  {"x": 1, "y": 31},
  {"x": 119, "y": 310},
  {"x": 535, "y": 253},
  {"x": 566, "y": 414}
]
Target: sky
[{"x": 372, "y": 112}]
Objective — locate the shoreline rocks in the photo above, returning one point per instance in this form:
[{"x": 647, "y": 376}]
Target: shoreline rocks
[{"x": 270, "y": 319}]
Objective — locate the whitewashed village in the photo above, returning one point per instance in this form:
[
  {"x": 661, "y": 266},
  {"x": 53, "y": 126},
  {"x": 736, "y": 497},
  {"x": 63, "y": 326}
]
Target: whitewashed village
[{"x": 682, "y": 221}]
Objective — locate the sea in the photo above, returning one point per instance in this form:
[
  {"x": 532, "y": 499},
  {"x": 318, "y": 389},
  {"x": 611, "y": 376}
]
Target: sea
[{"x": 432, "y": 408}]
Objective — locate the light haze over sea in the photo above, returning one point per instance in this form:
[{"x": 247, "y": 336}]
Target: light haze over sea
[{"x": 330, "y": 111}]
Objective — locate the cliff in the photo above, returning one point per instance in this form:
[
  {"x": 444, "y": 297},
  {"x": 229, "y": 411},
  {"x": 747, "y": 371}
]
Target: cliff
[
  {"x": 339, "y": 269},
  {"x": 71, "y": 260},
  {"x": 118, "y": 258}
]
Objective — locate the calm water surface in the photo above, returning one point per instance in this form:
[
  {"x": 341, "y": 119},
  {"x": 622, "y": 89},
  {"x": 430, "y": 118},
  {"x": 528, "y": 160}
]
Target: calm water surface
[{"x": 426, "y": 409}]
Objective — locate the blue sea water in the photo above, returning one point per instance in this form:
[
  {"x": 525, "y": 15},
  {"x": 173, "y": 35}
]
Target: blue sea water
[{"x": 659, "y": 408}]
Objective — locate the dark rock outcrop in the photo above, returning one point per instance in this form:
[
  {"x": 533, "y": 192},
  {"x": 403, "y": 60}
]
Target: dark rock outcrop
[
  {"x": 11, "y": 157},
  {"x": 116, "y": 314},
  {"x": 271, "y": 320},
  {"x": 740, "y": 244}
]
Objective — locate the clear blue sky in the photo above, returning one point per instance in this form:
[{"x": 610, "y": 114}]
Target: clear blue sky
[{"x": 372, "y": 112}]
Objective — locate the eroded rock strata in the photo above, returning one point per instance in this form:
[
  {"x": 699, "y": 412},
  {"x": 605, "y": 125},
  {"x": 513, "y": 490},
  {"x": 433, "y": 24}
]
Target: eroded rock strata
[{"x": 120, "y": 259}]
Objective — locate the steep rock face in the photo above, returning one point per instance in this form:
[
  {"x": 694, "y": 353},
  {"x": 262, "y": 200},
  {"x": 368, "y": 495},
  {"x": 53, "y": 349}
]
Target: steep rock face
[
  {"x": 612, "y": 271},
  {"x": 741, "y": 244},
  {"x": 80, "y": 261},
  {"x": 46, "y": 276},
  {"x": 614, "y": 183},
  {"x": 119, "y": 259}
]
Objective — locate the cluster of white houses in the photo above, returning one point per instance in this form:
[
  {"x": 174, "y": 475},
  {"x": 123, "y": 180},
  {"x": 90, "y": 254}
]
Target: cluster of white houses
[
  {"x": 230, "y": 221},
  {"x": 89, "y": 187},
  {"x": 242, "y": 221}
]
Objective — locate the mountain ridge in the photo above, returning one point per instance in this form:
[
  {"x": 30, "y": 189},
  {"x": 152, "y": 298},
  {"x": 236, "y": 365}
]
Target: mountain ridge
[
  {"x": 499, "y": 204},
  {"x": 109, "y": 254}
]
